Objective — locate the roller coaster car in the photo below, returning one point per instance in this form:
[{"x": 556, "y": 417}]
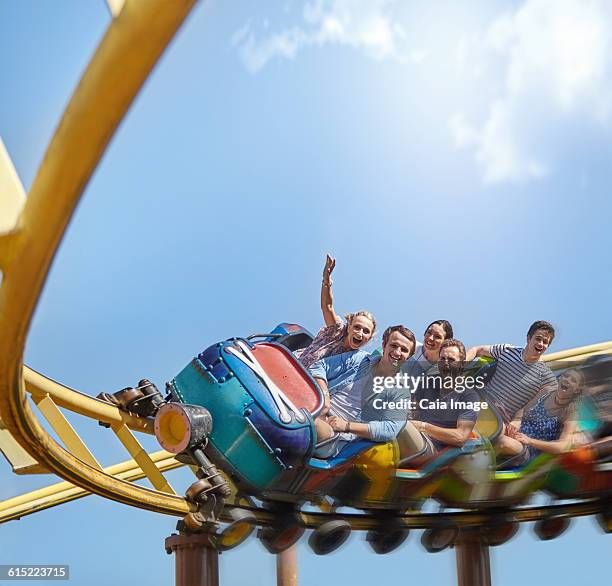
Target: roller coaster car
[
  {"x": 248, "y": 407},
  {"x": 262, "y": 404}
]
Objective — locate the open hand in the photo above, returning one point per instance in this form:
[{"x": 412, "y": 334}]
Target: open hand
[{"x": 330, "y": 263}]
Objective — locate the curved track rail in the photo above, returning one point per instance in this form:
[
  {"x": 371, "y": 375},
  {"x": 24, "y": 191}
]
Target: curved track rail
[{"x": 133, "y": 43}]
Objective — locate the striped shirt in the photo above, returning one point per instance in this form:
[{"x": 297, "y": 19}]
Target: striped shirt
[{"x": 515, "y": 381}]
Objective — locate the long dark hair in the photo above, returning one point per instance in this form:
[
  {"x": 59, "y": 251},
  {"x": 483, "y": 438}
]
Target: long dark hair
[{"x": 446, "y": 326}]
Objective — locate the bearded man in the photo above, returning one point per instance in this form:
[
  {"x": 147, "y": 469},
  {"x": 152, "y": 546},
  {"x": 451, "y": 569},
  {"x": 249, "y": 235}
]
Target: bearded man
[{"x": 446, "y": 409}]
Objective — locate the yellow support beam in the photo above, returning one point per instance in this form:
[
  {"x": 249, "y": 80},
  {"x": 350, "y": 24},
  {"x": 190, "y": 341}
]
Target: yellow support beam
[
  {"x": 115, "y": 6},
  {"x": 63, "y": 492},
  {"x": 137, "y": 452},
  {"x": 12, "y": 200},
  {"x": 65, "y": 431},
  {"x": 12, "y": 193},
  {"x": 21, "y": 462},
  {"x": 39, "y": 386}
]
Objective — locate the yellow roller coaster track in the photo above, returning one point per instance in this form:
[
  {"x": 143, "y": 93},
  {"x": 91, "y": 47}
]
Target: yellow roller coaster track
[{"x": 134, "y": 41}]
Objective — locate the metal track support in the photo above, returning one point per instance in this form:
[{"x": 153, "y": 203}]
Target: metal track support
[
  {"x": 196, "y": 562},
  {"x": 473, "y": 564},
  {"x": 286, "y": 567}
]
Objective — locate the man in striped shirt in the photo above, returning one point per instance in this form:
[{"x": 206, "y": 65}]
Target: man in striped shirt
[{"x": 519, "y": 377}]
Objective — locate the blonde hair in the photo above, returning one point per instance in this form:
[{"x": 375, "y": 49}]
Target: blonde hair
[
  {"x": 571, "y": 409},
  {"x": 349, "y": 317},
  {"x": 580, "y": 376}
]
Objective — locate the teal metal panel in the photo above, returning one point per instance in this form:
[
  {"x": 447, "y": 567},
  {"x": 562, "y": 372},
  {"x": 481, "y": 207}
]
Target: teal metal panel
[{"x": 232, "y": 435}]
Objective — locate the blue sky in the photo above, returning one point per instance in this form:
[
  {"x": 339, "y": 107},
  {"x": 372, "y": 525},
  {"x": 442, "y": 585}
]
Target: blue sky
[{"x": 454, "y": 159}]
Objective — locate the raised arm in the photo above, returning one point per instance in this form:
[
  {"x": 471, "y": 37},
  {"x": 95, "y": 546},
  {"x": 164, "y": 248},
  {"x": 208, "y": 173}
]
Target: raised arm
[
  {"x": 327, "y": 300},
  {"x": 477, "y": 351}
]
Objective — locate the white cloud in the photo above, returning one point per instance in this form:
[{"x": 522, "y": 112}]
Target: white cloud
[
  {"x": 464, "y": 134},
  {"x": 557, "y": 63},
  {"x": 500, "y": 152},
  {"x": 367, "y": 25},
  {"x": 526, "y": 82}
]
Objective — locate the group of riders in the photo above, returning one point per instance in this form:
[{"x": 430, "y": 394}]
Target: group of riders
[{"x": 410, "y": 390}]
